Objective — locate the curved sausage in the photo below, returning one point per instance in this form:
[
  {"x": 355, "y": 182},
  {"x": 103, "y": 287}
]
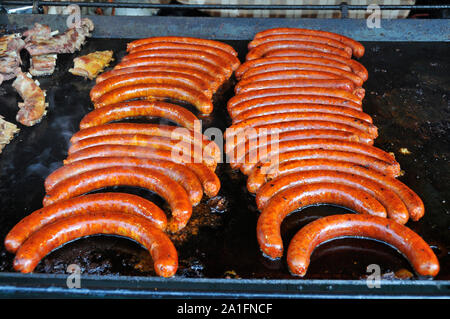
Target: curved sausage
[
  {"x": 171, "y": 191},
  {"x": 196, "y": 64},
  {"x": 329, "y": 144},
  {"x": 315, "y": 91},
  {"x": 118, "y": 81},
  {"x": 177, "y": 172},
  {"x": 412, "y": 201},
  {"x": 123, "y": 110},
  {"x": 291, "y": 98},
  {"x": 301, "y": 107},
  {"x": 200, "y": 75},
  {"x": 356, "y": 67},
  {"x": 177, "y": 147},
  {"x": 247, "y": 65},
  {"x": 300, "y": 37},
  {"x": 188, "y": 40},
  {"x": 183, "y": 134},
  {"x": 395, "y": 208},
  {"x": 157, "y": 91},
  {"x": 90, "y": 203},
  {"x": 286, "y": 66},
  {"x": 51, "y": 236},
  {"x": 370, "y": 131},
  {"x": 357, "y": 48},
  {"x": 262, "y": 49},
  {"x": 260, "y": 173},
  {"x": 206, "y": 175},
  {"x": 230, "y": 59},
  {"x": 341, "y": 84},
  {"x": 294, "y": 198},
  {"x": 225, "y": 68},
  {"x": 410, "y": 244}
]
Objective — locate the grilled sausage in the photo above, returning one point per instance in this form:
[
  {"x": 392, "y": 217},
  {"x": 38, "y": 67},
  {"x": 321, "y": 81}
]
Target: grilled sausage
[
  {"x": 300, "y": 37},
  {"x": 170, "y": 78},
  {"x": 123, "y": 110},
  {"x": 230, "y": 59},
  {"x": 341, "y": 84},
  {"x": 315, "y": 91},
  {"x": 177, "y": 172},
  {"x": 171, "y": 191},
  {"x": 369, "y": 129},
  {"x": 357, "y": 48},
  {"x": 356, "y": 67},
  {"x": 188, "y": 40},
  {"x": 206, "y": 175},
  {"x": 410, "y": 244},
  {"x": 158, "y": 92},
  {"x": 179, "y": 149},
  {"x": 285, "y": 202},
  {"x": 300, "y": 107},
  {"x": 200, "y": 75},
  {"x": 262, "y": 49},
  {"x": 138, "y": 228},
  {"x": 395, "y": 208},
  {"x": 259, "y": 174},
  {"x": 328, "y": 144},
  {"x": 195, "y": 138},
  {"x": 90, "y": 203},
  {"x": 293, "y": 98},
  {"x": 244, "y": 67},
  {"x": 291, "y": 66},
  {"x": 412, "y": 201},
  {"x": 225, "y": 68}
]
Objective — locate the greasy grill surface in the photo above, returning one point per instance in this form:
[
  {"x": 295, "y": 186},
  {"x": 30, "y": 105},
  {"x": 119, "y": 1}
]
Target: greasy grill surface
[{"x": 407, "y": 96}]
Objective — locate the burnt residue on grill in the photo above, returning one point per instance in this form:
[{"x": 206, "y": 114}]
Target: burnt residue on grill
[{"x": 407, "y": 96}]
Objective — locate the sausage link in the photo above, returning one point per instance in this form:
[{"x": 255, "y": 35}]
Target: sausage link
[
  {"x": 299, "y": 107},
  {"x": 50, "y": 237},
  {"x": 247, "y": 163},
  {"x": 177, "y": 133},
  {"x": 123, "y": 110},
  {"x": 315, "y": 91},
  {"x": 170, "y": 78},
  {"x": 171, "y": 191},
  {"x": 206, "y": 175},
  {"x": 196, "y": 64},
  {"x": 263, "y": 49},
  {"x": 178, "y": 148},
  {"x": 279, "y": 164},
  {"x": 288, "y": 66},
  {"x": 294, "y": 198},
  {"x": 157, "y": 91},
  {"x": 357, "y": 48},
  {"x": 198, "y": 74},
  {"x": 413, "y": 202},
  {"x": 177, "y": 172},
  {"x": 342, "y": 84},
  {"x": 292, "y": 98},
  {"x": 90, "y": 203},
  {"x": 369, "y": 129},
  {"x": 395, "y": 208},
  {"x": 356, "y": 67},
  {"x": 247, "y": 65},
  {"x": 188, "y": 40},
  {"x": 409, "y": 243},
  {"x": 230, "y": 59},
  {"x": 224, "y": 67}
]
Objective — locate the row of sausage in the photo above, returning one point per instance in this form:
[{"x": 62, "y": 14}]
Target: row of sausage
[
  {"x": 177, "y": 162},
  {"x": 300, "y": 135}
]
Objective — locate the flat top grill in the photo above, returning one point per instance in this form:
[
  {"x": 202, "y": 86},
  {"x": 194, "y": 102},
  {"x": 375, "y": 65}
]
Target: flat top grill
[{"x": 407, "y": 96}]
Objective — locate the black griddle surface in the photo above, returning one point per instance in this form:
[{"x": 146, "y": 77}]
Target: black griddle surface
[{"x": 407, "y": 96}]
